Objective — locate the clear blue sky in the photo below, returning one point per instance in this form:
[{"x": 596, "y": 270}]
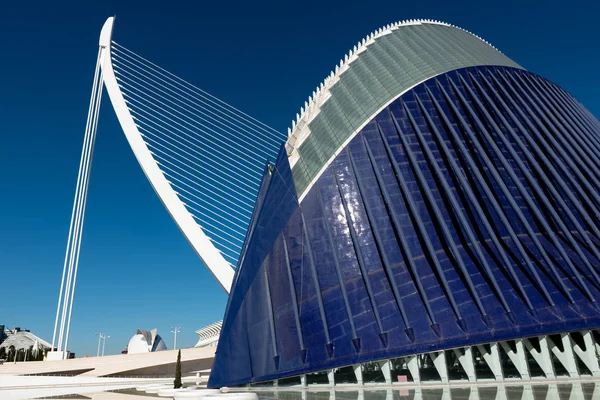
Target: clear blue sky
[{"x": 136, "y": 269}]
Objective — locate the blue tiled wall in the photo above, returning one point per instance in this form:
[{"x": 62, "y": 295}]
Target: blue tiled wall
[{"x": 463, "y": 213}]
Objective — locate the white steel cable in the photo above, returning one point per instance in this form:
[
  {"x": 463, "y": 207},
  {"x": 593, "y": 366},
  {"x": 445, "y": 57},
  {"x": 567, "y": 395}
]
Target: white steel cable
[
  {"x": 209, "y": 230},
  {"x": 183, "y": 118},
  {"x": 202, "y": 198},
  {"x": 254, "y": 131},
  {"x": 212, "y": 214},
  {"x": 189, "y": 182},
  {"x": 183, "y": 83},
  {"x": 221, "y": 244},
  {"x": 159, "y": 156},
  {"x": 148, "y": 130},
  {"x": 203, "y": 218},
  {"x": 74, "y": 240},
  {"x": 202, "y": 213},
  {"x": 75, "y": 200},
  {"x": 229, "y": 139},
  {"x": 170, "y": 147},
  {"x": 76, "y": 245},
  {"x": 129, "y": 73},
  {"x": 237, "y": 240},
  {"x": 193, "y": 133},
  {"x": 76, "y": 210},
  {"x": 210, "y": 154},
  {"x": 209, "y": 204},
  {"x": 140, "y": 115},
  {"x": 155, "y": 134},
  {"x": 121, "y": 71},
  {"x": 206, "y": 170},
  {"x": 204, "y": 221},
  {"x": 218, "y": 121},
  {"x": 173, "y": 174},
  {"x": 84, "y": 206}
]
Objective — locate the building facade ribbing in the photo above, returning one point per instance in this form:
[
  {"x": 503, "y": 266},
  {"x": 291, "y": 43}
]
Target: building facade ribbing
[{"x": 415, "y": 211}]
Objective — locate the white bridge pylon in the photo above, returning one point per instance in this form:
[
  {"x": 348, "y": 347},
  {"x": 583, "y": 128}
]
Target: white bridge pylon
[
  {"x": 203, "y": 157},
  {"x": 211, "y": 257}
]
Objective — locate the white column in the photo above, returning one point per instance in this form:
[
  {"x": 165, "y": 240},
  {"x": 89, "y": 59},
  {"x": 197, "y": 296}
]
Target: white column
[
  {"x": 331, "y": 377},
  {"x": 439, "y": 361},
  {"x": 588, "y": 356},
  {"x": 99, "y": 338},
  {"x": 566, "y": 356},
  {"x": 500, "y": 393},
  {"x": 492, "y": 359},
  {"x": 303, "y": 380},
  {"x": 518, "y": 357},
  {"x": 552, "y": 393},
  {"x": 474, "y": 393},
  {"x": 466, "y": 361},
  {"x": 527, "y": 393},
  {"x": 542, "y": 357},
  {"x": 413, "y": 367},
  {"x": 446, "y": 393},
  {"x": 358, "y": 373},
  {"x": 596, "y": 344},
  {"x": 386, "y": 369},
  {"x": 577, "y": 392},
  {"x": 596, "y": 391}
]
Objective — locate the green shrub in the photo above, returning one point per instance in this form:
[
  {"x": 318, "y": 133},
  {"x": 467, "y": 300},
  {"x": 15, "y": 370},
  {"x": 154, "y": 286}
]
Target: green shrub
[{"x": 177, "y": 382}]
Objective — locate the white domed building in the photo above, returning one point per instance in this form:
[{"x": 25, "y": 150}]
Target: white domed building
[{"x": 146, "y": 342}]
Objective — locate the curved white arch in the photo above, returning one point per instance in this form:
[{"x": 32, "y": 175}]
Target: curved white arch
[
  {"x": 300, "y": 130},
  {"x": 321, "y": 93},
  {"x": 207, "y": 252}
]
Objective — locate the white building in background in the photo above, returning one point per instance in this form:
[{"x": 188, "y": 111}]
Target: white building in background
[
  {"x": 209, "y": 335},
  {"x": 21, "y": 339},
  {"x": 146, "y": 342}
]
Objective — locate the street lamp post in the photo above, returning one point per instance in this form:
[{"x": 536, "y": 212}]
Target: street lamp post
[
  {"x": 174, "y": 330},
  {"x": 104, "y": 343},
  {"x": 101, "y": 337}
]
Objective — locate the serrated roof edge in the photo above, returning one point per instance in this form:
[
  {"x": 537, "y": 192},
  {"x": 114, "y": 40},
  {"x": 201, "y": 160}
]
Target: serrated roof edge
[{"x": 321, "y": 93}]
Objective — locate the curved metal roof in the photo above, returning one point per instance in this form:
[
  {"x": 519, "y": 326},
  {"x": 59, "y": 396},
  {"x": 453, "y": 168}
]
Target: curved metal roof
[
  {"x": 23, "y": 340},
  {"x": 209, "y": 335},
  {"x": 376, "y": 71}
]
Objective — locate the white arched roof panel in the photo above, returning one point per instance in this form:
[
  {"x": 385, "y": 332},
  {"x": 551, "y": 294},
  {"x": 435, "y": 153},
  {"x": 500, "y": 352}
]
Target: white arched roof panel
[{"x": 376, "y": 71}]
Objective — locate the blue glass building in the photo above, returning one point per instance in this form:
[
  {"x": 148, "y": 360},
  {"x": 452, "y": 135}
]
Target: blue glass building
[{"x": 433, "y": 198}]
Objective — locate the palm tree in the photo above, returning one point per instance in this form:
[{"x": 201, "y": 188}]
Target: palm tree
[{"x": 12, "y": 353}]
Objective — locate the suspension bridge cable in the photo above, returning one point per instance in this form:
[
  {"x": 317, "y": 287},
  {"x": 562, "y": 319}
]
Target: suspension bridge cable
[
  {"x": 185, "y": 84},
  {"x": 219, "y": 121}
]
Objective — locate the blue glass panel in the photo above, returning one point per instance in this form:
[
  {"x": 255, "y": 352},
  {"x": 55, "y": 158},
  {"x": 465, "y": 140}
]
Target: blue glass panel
[{"x": 527, "y": 220}]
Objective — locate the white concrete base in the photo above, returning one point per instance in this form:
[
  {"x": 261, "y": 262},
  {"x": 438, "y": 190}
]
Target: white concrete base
[
  {"x": 28, "y": 387},
  {"x": 126, "y": 364},
  {"x": 58, "y": 355}
]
